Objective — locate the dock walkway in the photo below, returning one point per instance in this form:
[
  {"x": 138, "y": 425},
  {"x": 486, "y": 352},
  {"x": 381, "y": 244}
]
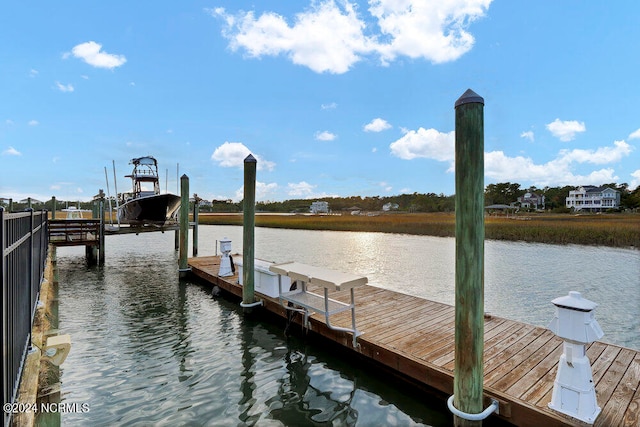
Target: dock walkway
[{"x": 415, "y": 337}]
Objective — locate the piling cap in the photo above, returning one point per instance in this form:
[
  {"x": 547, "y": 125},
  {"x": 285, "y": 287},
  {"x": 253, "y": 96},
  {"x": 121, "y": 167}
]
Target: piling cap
[
  {"x": 469, "y": 97},
  {"x": 250, "y": 159},
  {"x": 574, "y": 301}
]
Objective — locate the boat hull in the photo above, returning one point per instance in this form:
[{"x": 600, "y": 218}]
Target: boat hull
[{"x": 154, "y": 210}]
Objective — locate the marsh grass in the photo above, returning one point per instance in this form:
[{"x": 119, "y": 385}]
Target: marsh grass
[{"x": 619, "y": 230}]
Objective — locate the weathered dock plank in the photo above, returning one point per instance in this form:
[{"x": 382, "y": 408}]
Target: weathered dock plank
[{"x": 415, "y": 337}]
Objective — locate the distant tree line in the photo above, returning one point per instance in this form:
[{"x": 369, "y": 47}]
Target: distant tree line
[
  {"x": 503, "y": 193},
  {"x": 507, "y": 192}
]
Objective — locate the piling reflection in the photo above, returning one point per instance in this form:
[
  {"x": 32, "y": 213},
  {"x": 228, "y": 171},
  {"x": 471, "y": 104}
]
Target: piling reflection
[{"x": 149, "y": 349}]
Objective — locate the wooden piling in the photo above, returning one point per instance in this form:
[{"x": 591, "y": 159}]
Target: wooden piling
[
  {"x": 101, "y": 244},
  {"x": 248, "y": 229},
  {"x": 53, "y": 207},
  {"x": 183, "y": 268},
  {"x": 469, "y": 282}
]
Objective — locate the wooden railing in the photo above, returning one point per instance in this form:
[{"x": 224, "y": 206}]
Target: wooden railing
[{"x": 72, "y": 232}]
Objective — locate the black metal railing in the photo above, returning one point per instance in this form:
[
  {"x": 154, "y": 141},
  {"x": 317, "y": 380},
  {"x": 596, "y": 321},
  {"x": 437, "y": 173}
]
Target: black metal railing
[{"x": 24, "y": 241}]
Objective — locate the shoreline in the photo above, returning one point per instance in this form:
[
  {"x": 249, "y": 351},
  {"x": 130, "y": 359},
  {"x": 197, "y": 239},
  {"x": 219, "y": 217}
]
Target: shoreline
[{"x": 613, "y": 230}]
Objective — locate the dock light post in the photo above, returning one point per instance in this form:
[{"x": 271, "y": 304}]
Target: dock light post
[
  {"x": 466, "y": 402},
  {"x": 573, "y": 390},
  {"x": 248, "y": 233},
  {"x": 183, "y": 267}
]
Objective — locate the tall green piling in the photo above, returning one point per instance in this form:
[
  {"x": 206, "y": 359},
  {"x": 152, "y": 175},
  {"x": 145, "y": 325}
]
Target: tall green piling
[
  {"x": 183, "y": 267},
  {"x": 469, "y": 300},
  {"x": 101, "y": 237},
  {"x": 248, "y": 229}
]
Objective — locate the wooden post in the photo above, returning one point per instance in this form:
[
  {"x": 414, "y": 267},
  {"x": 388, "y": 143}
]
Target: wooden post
[
  {"x": 469, "y": 309},
  {"x": 248, "y": 229},
  {"x": 53, "y": 207},
  {"x": 196, "y": 204},
  {"x": 101, "y": 239},
  {"x": 183, "y": 268}
]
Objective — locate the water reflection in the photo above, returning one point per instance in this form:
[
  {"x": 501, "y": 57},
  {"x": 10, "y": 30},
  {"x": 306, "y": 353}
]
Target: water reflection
[
  {"x": 149, "y": 349},
  {"x": 521, "y": 279}
]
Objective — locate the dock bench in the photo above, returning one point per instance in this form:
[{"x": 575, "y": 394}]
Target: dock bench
[{"x": 310, "y": 302}]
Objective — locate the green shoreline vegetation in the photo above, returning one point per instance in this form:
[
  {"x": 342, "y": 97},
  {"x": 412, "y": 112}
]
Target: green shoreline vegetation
[
  {"x": 616, "y": 230},
  {"x": 433, "y": 214}
]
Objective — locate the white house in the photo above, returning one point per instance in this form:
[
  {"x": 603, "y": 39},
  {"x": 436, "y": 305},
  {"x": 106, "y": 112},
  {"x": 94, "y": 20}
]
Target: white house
[
  {"x": 531, "y": 200},
  {"x": 319, "y": 207},
  {"x": 592, "y": 198}
]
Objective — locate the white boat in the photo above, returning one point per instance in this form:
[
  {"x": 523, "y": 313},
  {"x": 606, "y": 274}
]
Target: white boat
[{"x": 144, "y": 206}]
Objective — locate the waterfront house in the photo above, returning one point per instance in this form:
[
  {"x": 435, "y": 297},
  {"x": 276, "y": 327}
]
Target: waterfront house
[
  {"x": 593, "y": 199},
  {"x": 319, "y": 207},
  {"x": 390, "y": 207},
  {"x": 531, "y": 200}
]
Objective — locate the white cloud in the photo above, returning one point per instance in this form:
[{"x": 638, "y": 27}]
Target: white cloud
[
  {"x": 427, "y": 143},
  {"x": 11, "y": 152},
  {"x": 377, "y": 125},
  {"x": 33, "y": 73},
  {"x": 331, "y": 106},
  {"x": 385, "y": 186},
  {"x": 263, "y": 191},
  {"x": 635, "y": 182},
  {"x": 232, "y": 154},
  {"x": 325, "y": 136},
  {"x": 33, "y": 123},
  {"x": 635, "y": 135},
  {"x": 558, "y": 171},
  {"x": 602, "y": 155},
  {"x": 91, "y": 53},
  {"x": 432, "y": 144},
  {"x": 527, "y": 135},
  {"x": 435, "y": 31},
  {"x": 330, "y": 37},
  {"x": 300, "y": 189},
  {"x": 64, "y": 88},
  {"x": 566, "y": 130}
]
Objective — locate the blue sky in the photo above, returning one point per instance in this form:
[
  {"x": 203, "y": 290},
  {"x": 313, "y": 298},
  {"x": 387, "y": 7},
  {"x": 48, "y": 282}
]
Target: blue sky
[{"x": 332, "y": 97}]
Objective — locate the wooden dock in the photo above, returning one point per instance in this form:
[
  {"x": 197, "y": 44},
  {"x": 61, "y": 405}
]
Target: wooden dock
[
  {"x": 415, "y": 337},
  {"x": 74, "y": 232}
]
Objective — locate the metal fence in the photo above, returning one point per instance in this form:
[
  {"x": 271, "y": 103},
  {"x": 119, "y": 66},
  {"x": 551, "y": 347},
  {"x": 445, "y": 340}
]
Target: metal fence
[{"x": 24, "y": 241}]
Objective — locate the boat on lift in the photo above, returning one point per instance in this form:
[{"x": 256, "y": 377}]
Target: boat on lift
[{"x": 145, "y": 205}]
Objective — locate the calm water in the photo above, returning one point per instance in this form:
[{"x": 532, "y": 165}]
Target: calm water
[
  {"x": 521, "y": 279},
  {"x": 149, "y": 349}
]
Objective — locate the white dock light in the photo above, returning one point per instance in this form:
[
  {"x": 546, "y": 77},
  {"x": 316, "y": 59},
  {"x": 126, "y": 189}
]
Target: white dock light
[
  {"x": 225, "y": 259},
  {"x": 573, "y": 390}
]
